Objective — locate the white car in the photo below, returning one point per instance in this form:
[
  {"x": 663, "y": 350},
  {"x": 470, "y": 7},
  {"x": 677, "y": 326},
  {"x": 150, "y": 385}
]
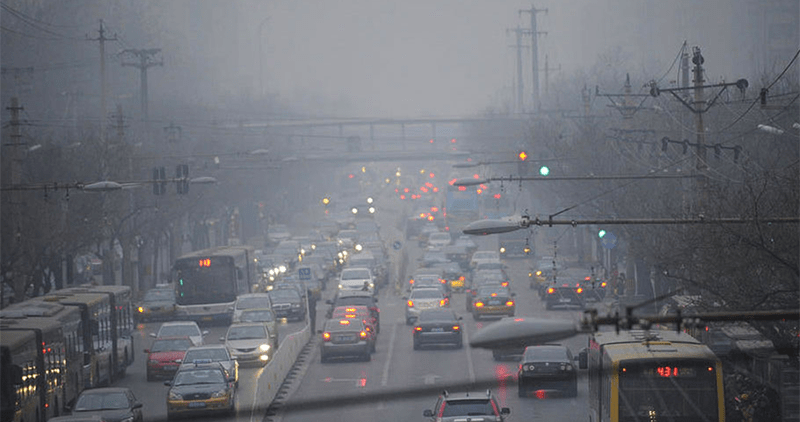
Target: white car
[
  {"x": 358, "y": 278},
  {"x": 249, "y": 342},
  {"x": 181, "y": 329},
  {"x": 439, "y": 240},
  {"x": 250, "y": 301},
  {"x": 484, "y": 256}
]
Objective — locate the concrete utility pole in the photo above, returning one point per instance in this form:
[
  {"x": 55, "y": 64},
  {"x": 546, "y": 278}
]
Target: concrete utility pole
[
  {"x": 700, "y": 104},
  {"x": 102, "y": 40},
  {"x": 146, "y": 60},
  {"x": 534, "y": 54},
  {"x": 520, "y": 103}
]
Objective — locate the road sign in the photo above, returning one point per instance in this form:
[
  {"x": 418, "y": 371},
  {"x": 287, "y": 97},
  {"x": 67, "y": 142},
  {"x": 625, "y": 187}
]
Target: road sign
[
  {"x": 609, "y": 240},
  {"x": 397, "y": 245},
  {"x": 305, "y": 274}
]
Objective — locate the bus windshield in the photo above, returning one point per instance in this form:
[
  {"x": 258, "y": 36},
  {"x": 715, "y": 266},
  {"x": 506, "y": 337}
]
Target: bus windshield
[
  {"x": 685, "y": 391},
  {"x": 202, "y": 285}
]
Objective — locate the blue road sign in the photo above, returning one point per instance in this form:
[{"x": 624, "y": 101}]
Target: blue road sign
[{"x": 305, "y": 274}]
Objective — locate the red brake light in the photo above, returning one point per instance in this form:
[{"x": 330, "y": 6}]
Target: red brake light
[
  {"x": 411, "y": 281},
  {"x": 442, "y": 302},
  {"x": 510, "y": 303},
  {"x": 410, "y": 304},
  {"x": 603, "y": 284},
  {"x": 456, "y": 327},
  {"x": 551, "y": 290},
  {"x": 326, "y": 336},
  {"x": 363, "y": 334},
  {"x": 479, "y": 304},
  {"x": 417, "y": 328},
  {"x": 579, "y": 290}
]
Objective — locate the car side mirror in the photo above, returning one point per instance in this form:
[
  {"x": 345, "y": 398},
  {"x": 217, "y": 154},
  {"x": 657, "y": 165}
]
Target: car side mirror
[
  {"x": 505, "y": 411},
  {"x": 168, "y": 383},
  {"x": 428, "y": 413},
  {"x": 583, "y": 359},
  {"x": 153, "y": 335},
  {"x": 205, "y": 333},
  {"x": 137, "y": 405}
]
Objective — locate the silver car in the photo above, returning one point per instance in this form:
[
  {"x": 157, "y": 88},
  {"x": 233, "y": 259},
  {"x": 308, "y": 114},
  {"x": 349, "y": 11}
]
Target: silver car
[
  {"x": 249, "y": 343},
  {"x": 345, "y": 338},
  {"x": 213, "y": 353},
  {"x": 266, "y": 317},
  {"x": 249, "y": 301},
  {"x": 181, "y": 329},
  {"x": 423, "y": 298}
]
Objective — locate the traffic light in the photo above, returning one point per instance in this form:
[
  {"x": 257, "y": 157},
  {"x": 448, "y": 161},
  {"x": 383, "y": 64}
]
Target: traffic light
[
  {"x": 522, "y": 155},
  {"x": 601, "y": 233},
  {"x": 544, "y": 170}
]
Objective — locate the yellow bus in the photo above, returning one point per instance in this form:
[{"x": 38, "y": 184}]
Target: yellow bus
[{"x": 652, "y": 376}]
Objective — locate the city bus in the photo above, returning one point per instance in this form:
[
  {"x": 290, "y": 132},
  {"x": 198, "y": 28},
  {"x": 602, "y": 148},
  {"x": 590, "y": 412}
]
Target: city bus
[
  {"x": 34, "y": 354},
  {"x": 461, "y": 207},
  {"x": 652, "y": 375},
  {"x": 207, "y": 282},
  {"x": 121, "y": 325}
]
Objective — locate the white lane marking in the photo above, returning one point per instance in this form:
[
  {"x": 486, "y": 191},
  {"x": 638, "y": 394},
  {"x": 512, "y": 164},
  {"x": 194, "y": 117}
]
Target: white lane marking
[
  {"x": 469, "y": 354},
  {"x": 385, "y": 377}
]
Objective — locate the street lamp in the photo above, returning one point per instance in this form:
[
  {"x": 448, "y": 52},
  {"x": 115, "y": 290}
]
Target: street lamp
[{"x": 491, "y": 226}]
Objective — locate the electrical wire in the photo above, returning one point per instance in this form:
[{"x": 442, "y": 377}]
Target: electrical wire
[
  {"x": 25, "y": 19},
  {"x": 41, "y": 21},
  {"x": 680, "y": 53}
]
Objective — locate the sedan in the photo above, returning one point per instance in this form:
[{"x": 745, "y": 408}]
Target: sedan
[
  {"x": 288, "y": 303},
  {"x": 546, "y": 368},
  {"x": 266, "y": 317},
  {"x": 113, "y": 404},
  {"x": 423, "y": 298},
  {"x": 181, "y": 329},
  {"x": 437, "y": 326},
  {"x": 165, "y": 356},
  {"x": 217, "y": 353},
  {"x": 493, "y": 301},
  {"x": 158, "y": 304},
  {"x": 249, "y": 342},
  {"x": 344, "y": 338},
  {"x": 199, "y": 389}
]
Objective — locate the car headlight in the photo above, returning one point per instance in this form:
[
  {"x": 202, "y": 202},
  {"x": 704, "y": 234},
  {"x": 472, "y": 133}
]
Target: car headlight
[
  {"x": 264, "y": 347},
  {"x": 340, "y": 286},
  {"x": 295, "y": 305},
  {"x": 174, "y": 395},
  {"x": 220, "y": 393}
]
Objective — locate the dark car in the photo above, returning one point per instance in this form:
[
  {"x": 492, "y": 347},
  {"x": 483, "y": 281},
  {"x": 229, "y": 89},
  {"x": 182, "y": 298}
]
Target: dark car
[
  {"x": 200, "y": 389},
  {"x": 345, "y": 338},
  {"x": 467, "y": 406},
  {"x": 564, "y": 296},
  {"x": 112, "y": 404},
  {"x": 165, "y": 356},
  {"x": 288, "y": 303},
  {"x": 357, "y": 298},
  {"x": 437, "y": 326},
  {"x": 157, "y": 305},
  {"x": 547, "y": 369}
]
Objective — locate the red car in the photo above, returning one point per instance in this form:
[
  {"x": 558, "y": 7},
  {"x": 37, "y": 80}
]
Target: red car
[
  {"x": 362, "y": 313},
  {"x": 164, "y": 357}
]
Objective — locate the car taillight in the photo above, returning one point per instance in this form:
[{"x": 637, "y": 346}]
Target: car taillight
[
  {"x": 551, "y": 290},
  {"x": 505, "y": 284},
  {"x": 579, "y": 290},
  {"x": 443, "y": 302},
  {"x": 326, "y": 336},
  {"x": 417, "y": 328},
  {"x": 443, "y": 281},
  {"x": 479, "y": 304},
  {"x": 363, "y": 334},
  {"x": 456, "y": 327},
  {"x": 461, "y": 278},
  {"x": 410, "y": 303},
  {"x": 510, "y": 303},
  {"x": 603, "y": 284},
  {"x": 411, "y": 281}
]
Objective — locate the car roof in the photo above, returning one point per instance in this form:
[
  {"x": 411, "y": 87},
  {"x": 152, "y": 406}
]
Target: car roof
[
  {"x": 170, "y": 323},
  {"x": 106, "y": 390},
  {"x": 248, "y": 295},
  {"x": 552, "y": 351}
]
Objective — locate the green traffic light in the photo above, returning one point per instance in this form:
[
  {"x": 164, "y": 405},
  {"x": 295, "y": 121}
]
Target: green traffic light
[
  {"x": 544, "y": 171},
  {"x": 601, "y": 233}
]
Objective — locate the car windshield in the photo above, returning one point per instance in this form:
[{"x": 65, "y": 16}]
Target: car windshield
[
  {"x": 247, "y": 332},
  {"x": 179, "y": 331},
  {"x": 258, "y": 316},
  {"x": 170, "y": 345},
  {"x": 213, "y": 355},
  {"x": 201, "y": 376},
  {"x": 101, "y": 401},
  {"x": 468, "y": 408}
]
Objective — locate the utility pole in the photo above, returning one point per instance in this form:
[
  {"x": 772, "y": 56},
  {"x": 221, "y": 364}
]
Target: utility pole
[
  {"x": 534, "y": 54},
  {"x": 699, "y": 104},
  {"x": 11, "y": 177},
  {"x": 102, "y": 40},
  {"x": 146, "y": 60},
  {"x": 520, "y": 103}
]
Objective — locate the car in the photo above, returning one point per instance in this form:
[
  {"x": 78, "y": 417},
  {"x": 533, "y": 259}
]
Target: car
[
  {"x": 357, "y": 278},
  {"x": 355, "y": 298},
  {"x": 288, "y": 303},
  {"x": 423, "y": 298},
  {"x": 437, "y": 326},
  {"x": 157, "y": 305},
  {"x": 214, "y": 353},
  {"x": 249, "y": 342},
  {"x": 165, "y": 355},
  {"x": 563, "y": 296},
  {"x": 483, "y": 279},
  {"x": 430, "y": 279},
  {"x": 493, "y": 301},
  {"x": 547, "y": 368},
  {"x": 439, "y": 240},
  {"x": 200, "y": 389},
  {"x": 542, "y": 273},
  {"x": 265, "y": 316},
  {"x": 344, "y": 338},
  {"x": 249, "y": 301},
  {"x": 454, "y": 277},
  {"x": 467, "y": 406},
  {"x": 483, "y": 256},
  {"x": 111, "y": 404},
  {"x": 179, "y": 329},
  {"x": 362, "y": 313}
]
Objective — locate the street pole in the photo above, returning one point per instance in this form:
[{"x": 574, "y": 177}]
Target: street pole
[
  {"x": 146, "y": 61},
  {"x": 520, "y": 104},
  {"x": 534, "y": 55},
  {"x": 699, "y": 104},
  {"x": 102, "y": 40}
]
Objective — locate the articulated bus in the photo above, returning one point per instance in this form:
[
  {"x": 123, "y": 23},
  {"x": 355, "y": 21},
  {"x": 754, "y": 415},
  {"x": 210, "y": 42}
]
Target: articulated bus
[
  {"x": 653, "y": 376},
  {"x": 207, "y": 282},
  {"x": 34, "y": 354}
]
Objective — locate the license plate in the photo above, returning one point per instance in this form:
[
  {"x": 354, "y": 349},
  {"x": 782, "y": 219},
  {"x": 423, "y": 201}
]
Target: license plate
[
  {"x": 344, "y": 338},
  {"x": 494, "y": 302},
  {"x": 564, "y": 300},
  {"x": 208, "y": 318},
  {"x": 437, "y": 330},
  {"x": 196, "y": 405}
]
